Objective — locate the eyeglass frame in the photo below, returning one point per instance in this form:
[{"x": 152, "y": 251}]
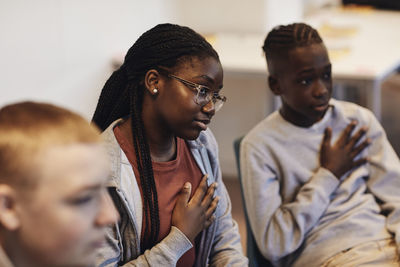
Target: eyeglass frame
[{"x": 211, "y": 96}]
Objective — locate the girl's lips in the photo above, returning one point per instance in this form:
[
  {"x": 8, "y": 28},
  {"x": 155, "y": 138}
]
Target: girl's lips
[{"x": 202, "y": 124}]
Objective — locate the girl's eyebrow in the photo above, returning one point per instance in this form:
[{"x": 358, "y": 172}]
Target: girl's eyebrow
[{"x": 209, "y": 79}]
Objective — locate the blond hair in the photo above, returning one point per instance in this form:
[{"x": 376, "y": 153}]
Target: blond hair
[{"x": 26, "y": 128}]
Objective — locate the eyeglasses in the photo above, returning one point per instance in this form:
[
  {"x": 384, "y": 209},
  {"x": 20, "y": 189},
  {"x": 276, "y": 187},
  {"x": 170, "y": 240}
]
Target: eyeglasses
[{"x": 204, "y": 94}]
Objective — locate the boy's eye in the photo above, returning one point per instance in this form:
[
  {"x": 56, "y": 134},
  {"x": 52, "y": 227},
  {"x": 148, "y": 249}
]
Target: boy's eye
[
  {"x": 327, "y": 75},
  {"x": 305, "y": 81},
  {"x": 82, "y": 200}
]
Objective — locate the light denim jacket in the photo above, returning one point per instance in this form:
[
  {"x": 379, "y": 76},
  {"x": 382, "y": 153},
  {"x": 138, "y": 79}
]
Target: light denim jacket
[{"x": 219, "y": 244}]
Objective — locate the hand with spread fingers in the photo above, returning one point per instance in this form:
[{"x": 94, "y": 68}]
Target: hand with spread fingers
[
  {"x": 341, "y": 157},
  {"x": 192, "y": 215}
]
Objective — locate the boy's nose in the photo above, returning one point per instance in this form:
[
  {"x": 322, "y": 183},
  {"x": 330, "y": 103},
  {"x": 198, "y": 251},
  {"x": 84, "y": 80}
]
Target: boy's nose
[
  {"x": 320, "y": 89},
  {"x": 108, "y": 214}
]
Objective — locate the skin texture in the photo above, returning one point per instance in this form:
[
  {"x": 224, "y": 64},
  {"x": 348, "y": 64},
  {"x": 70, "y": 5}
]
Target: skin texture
[
  {"x": 193, "y": 215},
  {"x": 340, "y": 157},
  {"x": 61, "y": 222},
  {"x": 172, "y": 112},
  {"x": 302, "y": 78},
  {"x": 304, "y": 83}
]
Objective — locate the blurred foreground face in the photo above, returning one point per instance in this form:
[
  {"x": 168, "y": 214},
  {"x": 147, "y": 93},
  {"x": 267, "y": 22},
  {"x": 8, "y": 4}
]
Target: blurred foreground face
[{"x": 63, "y": 219}]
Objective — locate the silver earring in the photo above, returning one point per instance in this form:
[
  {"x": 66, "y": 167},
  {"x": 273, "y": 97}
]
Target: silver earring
[{"x": 155, "y": 91}]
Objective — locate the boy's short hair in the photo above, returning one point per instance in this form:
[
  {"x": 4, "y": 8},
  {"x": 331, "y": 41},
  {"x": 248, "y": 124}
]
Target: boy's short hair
[
  {"x": 283, "y": 38},
  {"x": 26, "y": 128}
]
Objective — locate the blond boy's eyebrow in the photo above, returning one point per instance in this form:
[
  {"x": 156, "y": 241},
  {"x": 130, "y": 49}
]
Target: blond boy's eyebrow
[{"x": 88, "y": 188}]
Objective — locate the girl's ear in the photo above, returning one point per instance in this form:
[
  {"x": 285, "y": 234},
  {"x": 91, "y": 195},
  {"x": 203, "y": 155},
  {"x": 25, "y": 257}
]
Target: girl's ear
[
  {"x": 151, "y": 81},
  {"x": 274, "y": 85},
  {"x": 9, "y": 218}
]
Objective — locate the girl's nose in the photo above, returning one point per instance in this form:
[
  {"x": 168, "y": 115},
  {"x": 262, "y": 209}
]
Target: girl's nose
[{"x": 209, "y": 108}]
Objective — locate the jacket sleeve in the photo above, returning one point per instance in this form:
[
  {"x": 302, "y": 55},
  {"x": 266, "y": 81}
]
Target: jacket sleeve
[
  {"x": 384, "y": 179},
  {"x": 226, "y": 249},
  {"x": 121, "y": 240},
  {"x": 280, "y": 227}
]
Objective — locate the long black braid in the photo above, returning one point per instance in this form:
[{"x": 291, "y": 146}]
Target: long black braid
[
  {"x": 285, "y": 37},
  {"x": 165, "y": 45}
]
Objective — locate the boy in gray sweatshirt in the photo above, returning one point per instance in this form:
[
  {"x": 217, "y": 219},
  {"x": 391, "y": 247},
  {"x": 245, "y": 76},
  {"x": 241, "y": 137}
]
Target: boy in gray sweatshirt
[{"x": 321, "y": 181}]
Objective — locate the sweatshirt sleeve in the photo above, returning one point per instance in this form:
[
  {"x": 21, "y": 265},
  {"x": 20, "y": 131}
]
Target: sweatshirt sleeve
[
  {"x": 166, "y": 253},
  {"x": 280, "y": 228},
  {"x": 122, "y": 244},
  {"x": 384, "y": 179}
]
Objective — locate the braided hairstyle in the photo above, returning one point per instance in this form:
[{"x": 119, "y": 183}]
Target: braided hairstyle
[
  {"x": 283, "y": 38},
  {"x": 165, "y": 45}
]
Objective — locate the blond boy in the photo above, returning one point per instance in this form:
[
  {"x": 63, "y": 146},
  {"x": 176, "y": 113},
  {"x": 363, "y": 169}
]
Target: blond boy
[{"x": 53, "y": 199}]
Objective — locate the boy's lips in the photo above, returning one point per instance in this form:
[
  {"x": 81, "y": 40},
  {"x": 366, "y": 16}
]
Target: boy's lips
[
  {"x": 98, "y": 242},
  {"x": 322, "y": 106}
]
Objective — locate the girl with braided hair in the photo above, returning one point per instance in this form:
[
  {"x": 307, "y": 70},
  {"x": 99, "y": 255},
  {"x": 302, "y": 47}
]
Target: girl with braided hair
[
  {"x": 312, "y": 201},
  {"x": 166, "y": 181}
]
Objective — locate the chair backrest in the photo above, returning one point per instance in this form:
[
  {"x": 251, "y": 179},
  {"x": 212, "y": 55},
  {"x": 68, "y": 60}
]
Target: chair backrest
[{"x": 255, "y": 257}]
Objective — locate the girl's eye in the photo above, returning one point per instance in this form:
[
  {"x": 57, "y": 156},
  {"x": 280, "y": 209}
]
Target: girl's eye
[{"x": 203, "y": 91}]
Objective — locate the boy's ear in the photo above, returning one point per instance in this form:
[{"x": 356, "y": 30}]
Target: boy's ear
[
  {"x": 8, "y": 208},
  {"x": 151, "y": 81},
  {"x": 274, "y": 85}
]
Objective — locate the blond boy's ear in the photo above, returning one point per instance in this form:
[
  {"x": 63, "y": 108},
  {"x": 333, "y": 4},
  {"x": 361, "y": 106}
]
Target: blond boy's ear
[
  {"x": 8, "y": 204},
  {"x": 274, "y": 85}
]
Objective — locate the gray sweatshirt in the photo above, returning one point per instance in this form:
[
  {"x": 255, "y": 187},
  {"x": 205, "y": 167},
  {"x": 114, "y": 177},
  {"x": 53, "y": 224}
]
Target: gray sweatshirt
[
  {"x": 300, "y": 213},
  {"x": 219, "y": 244}
]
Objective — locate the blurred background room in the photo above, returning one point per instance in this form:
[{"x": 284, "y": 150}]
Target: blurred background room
[{"x": 62, "y": 51}]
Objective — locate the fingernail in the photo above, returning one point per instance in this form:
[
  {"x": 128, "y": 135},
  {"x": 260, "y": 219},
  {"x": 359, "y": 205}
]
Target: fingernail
[
  {"x": 186, "y": 185},
  {"x": 215, "y": 184}
]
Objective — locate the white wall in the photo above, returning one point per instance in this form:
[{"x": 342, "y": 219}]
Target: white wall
[
  {"x": 255, "y": 16},
  {"x": 60, "y": 50},
  {"x": 249, "y": 99}
]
